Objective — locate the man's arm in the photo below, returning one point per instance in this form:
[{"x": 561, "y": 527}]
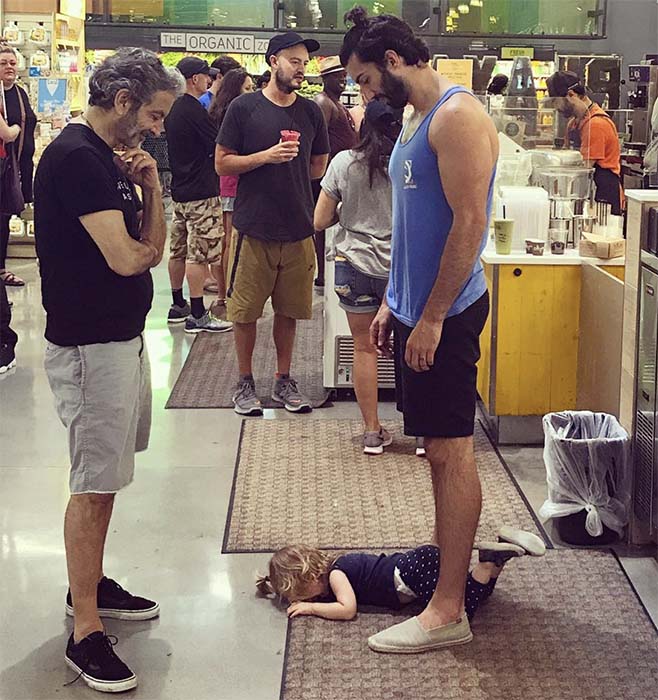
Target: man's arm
[
  {"x": 327, "y": 107},
  {"x": 8, "y": 133},
  {"x": 319, "y": 165},
  {"x": 124, "y": 255},
  {"x": 461, "y": 134},
  {"x": 228, "y": 162}
]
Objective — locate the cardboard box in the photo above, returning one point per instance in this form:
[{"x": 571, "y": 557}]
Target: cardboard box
[{"x": 593, "y": 246}]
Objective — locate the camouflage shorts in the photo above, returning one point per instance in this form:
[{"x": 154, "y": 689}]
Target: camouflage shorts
[{"x": 197, "y": 234}]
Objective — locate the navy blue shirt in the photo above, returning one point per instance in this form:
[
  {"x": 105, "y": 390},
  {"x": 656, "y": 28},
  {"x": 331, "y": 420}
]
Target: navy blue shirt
[{"x": 371, "y": 576}]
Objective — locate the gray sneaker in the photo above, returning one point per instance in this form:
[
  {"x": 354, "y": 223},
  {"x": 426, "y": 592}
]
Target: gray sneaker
[
  {"x": 375, "y": 442},
  {"x": 286, "y": 392},
  {"x": 420, "y": 447},
  {"x": 245, "y": 399},
  {"x": 178, "y": 314},
  {"x": 207, "y": 323}
]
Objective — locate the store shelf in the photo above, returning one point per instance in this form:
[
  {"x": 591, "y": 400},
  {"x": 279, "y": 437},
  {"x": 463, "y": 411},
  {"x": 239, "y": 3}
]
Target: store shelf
[{"x": 67, "y": 43}]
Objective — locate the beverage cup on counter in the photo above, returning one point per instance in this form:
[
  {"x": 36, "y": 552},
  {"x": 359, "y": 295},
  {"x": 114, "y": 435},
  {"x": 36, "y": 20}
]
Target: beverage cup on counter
[
  {"x": 558, "y": 240},
  {"x": 534, "y": 246},
  {"x": 503, "y": 232},
  {"x": 289, "y": 135}
]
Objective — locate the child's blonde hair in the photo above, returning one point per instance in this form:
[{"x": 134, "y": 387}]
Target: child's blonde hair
[{"x": 292, "y": 568}]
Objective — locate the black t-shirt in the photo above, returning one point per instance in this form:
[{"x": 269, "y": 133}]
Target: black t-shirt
[
  {"x": 12, "y": 117},
  {"x": 191, "y": 141},
  {"x": 274, "y": 202},
  {"x": 85, "y": 301},
  {"x": 372, "y": 577}
]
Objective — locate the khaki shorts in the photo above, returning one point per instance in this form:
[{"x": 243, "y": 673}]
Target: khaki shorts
[
  {"x": 197, "y": 233},
  {"x": 263, "y": 269},
  {"x": 103, "y": 397}
]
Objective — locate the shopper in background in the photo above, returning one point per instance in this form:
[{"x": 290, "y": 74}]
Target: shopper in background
[
  {"x": 235, "y": 83},
  {"x": 341, "y": 130},
  {"x": 277, "y": 143},
  {"x": 358, "y": 180},
  {"x": 16, "y": 112},
  {"x": 95, "y": 253},
  {"x": 196, "y": 230},
  {"x": 263, "y": 81},
  {"x": 442, "y": 171},
  {"x": 8, "y": 337},
  {"x": 498, "y": 85},
  {"x": 218, "y": 69},
  {"x": 591, "y": 131}
]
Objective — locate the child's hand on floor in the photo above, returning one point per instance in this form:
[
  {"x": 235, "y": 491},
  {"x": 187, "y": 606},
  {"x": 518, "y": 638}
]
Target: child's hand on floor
[{"x": 300, "y": 609}]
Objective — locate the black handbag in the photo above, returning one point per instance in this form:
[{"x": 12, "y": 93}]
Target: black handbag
[{"x": 11, "y": 193}]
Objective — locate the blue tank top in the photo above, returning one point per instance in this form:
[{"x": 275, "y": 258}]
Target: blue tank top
[{"x": 422, "y": 219}]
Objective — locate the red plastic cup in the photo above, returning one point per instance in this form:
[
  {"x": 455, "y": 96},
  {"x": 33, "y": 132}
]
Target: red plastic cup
[{"x": 289, "y": 135}]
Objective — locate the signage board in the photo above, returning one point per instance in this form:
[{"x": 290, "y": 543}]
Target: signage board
[
  {"x": 216, "y": 42},
  {"x": 508, "y": 52},
  {"x": 457, "y": 70}
]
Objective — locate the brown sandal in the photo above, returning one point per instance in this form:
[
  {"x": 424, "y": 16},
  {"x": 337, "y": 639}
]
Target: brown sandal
[{"x": 10, "y": 279}]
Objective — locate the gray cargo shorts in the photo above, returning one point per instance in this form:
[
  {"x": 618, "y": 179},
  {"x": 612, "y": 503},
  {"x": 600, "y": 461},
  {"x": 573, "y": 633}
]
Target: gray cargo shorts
[{"x": 103, "y": 398}]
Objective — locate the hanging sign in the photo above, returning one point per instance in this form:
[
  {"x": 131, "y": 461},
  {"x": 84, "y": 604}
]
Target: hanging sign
[
  {"x": 51, "y": 94},
  {"x": 457, "y": 70},
  {"x": 509, "y": 52},
  {"x": 213, "y": 43}
]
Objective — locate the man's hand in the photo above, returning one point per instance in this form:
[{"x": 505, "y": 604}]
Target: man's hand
[
  {"x": 380, "y": 331},
  {"x": 300, "y": 609},
  {"x": 422, "y": 345},
  {"x": 140, "y": 168},
  {"x": 282, "y": 152}
]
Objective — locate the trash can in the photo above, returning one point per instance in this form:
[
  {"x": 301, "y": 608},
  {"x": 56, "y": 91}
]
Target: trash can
[{"x": 588, "y": 472}]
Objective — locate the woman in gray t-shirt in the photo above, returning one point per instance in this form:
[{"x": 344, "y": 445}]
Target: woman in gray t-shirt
[{"x": 357, "y": 180}]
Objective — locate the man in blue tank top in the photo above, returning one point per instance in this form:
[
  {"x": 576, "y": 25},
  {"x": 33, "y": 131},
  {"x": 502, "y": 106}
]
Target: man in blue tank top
[{"x": 442, "y": 172}]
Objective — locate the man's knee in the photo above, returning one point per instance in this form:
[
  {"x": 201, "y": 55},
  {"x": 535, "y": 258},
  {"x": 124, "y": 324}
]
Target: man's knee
[{"x": 443, "y": 452}]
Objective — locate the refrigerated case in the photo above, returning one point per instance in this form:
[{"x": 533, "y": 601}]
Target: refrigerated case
[{"x": 338, "y": 356}]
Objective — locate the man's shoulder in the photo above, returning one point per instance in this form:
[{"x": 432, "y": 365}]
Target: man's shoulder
[
  {"x": 310, "y": 106},
  {"x": 72, "y": 143}
]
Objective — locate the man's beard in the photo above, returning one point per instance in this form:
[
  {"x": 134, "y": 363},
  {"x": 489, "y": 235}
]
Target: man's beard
[
  {"x": 394, "y": 90},
  {"x": 127, "y": 131},
  {"x": 283, "y": 84}
]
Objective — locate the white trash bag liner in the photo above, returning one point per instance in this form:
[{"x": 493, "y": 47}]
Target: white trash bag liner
[{"x": 587, "y": 458}]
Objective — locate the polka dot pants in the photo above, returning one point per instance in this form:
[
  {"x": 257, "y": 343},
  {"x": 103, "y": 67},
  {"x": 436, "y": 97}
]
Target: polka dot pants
[{"x": 419, "y": 569}]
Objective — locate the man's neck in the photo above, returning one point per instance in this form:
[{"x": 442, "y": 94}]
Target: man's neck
[
  {"x": 194, "y": 94},
  {"x": 333, "y": 97},
  {"x": 8, "y": 85},
  {"x": 426, "y": 88},
  {"x": 100, "y": 123},
  {"x": 273, "y": 94}
]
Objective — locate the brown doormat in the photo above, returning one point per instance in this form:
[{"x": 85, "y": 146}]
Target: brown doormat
[
  {"x": 210, "y": 373},
  {"x": 309, "y": 481},
  {"x": 565, "y": 627}
]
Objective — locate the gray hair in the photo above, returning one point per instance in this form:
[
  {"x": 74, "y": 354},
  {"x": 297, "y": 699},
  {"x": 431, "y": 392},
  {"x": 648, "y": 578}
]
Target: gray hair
[
  {"x": 6, "y": 48},
  {"x": 139, "y": 71}
]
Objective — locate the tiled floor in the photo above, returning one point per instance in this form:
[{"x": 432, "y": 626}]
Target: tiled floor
[{"x": 214, "y": 640}]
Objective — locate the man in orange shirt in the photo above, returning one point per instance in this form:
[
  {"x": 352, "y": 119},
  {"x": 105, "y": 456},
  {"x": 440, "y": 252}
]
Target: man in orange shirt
[{"x": 592, "y": 131}]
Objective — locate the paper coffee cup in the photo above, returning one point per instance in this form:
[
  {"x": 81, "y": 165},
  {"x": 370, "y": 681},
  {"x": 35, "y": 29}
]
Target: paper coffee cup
[{"x": 503, "y": 232}]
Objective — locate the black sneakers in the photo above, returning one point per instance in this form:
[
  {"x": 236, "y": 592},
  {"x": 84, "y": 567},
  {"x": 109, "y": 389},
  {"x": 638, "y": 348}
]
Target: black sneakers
[
  {"x": 94, "y": 660},
  {"x": 117, "y": 603}
]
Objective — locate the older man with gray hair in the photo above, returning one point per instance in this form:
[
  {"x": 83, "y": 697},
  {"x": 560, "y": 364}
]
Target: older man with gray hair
[{"x": 96, "y": 243}]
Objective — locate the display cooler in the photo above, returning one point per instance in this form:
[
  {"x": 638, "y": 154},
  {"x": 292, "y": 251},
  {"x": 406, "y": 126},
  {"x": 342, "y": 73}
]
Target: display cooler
[{"x": 338, "y": 344}]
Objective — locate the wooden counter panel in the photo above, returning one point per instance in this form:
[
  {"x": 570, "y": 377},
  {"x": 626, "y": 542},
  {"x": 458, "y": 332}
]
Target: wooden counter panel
[{"x": 537, "y": 339}]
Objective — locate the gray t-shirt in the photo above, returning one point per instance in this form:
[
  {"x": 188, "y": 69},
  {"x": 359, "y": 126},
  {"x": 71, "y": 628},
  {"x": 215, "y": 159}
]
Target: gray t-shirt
[{"x": 365, "y": 214}]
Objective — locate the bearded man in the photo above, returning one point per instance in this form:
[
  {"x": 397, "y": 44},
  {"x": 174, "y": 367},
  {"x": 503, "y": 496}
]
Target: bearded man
[
  {"x": 277, "y": 143},
  {"x": 96, "y": 243}
]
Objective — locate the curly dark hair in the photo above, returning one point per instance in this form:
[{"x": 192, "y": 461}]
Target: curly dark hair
[
  {"x": 230, "y": 88},
  {"x": 371, "y": 37},
  {"x": 137, "y": 70}
]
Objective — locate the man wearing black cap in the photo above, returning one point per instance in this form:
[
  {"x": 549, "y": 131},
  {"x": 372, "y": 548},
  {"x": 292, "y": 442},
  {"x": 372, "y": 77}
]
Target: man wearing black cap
[
  {"x": 196, "y": 232},
  {"x": 277, "y": 143}
]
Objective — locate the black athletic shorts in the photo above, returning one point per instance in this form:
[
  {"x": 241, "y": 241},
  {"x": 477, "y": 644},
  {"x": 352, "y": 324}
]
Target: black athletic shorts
[{"x": 441, "y": 402}]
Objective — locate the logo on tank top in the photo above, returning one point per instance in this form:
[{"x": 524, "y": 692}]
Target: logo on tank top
[{"x": 409, "y": 182}]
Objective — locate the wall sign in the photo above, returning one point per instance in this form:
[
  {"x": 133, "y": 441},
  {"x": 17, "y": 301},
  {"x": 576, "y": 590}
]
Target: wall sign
[
  {"x": 219, "y": 43},
  {"x": 507, "y": 52},
  {"x": 457, "y": 70}
]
